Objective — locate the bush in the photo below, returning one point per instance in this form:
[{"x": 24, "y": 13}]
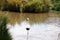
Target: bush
[
  {"x": 36, "y": 7},
  {"x": 10, "y": 7},
  {"x": 4, "y": 34},
  {"x": 56, "y": 5}
]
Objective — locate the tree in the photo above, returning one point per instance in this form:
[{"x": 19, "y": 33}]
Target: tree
[{"x": 4, "y": 34}]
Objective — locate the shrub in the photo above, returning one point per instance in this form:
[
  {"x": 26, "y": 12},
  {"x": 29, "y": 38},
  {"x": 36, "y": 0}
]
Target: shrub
[
  {"x": 36, "y": 7},
  {"x": 4, "y": 34},
  {"x": 56, "y": 5},
  {"x": 10, "y": 7}
]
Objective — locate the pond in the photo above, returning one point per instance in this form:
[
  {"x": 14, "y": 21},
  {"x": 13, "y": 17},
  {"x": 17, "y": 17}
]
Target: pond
[{"x": 43, "y": 26}]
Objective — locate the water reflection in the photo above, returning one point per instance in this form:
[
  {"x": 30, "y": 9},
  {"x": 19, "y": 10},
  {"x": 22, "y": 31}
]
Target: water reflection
[
  {"x": 38, "y": 31},
  {"x": 34, "y": 18},
  {"x": 44, "y": 26}
]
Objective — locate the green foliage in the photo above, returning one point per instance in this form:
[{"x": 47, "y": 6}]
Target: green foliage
[
  {"x": 56, "y": 5},
  {"x": 37, "y": 6},
  {"x": 4, "y": 34},
  {"x": 9, "y": 7}
]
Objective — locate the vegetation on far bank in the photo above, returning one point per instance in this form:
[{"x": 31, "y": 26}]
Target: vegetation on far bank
[
  {"x": 30, "y": 6},
  {"x": 56, "y": 5}
]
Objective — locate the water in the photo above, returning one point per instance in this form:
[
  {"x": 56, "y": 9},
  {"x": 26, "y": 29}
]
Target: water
[
  {"x": 44, "y": 26},
  {"x": 41, "y": 31}
]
